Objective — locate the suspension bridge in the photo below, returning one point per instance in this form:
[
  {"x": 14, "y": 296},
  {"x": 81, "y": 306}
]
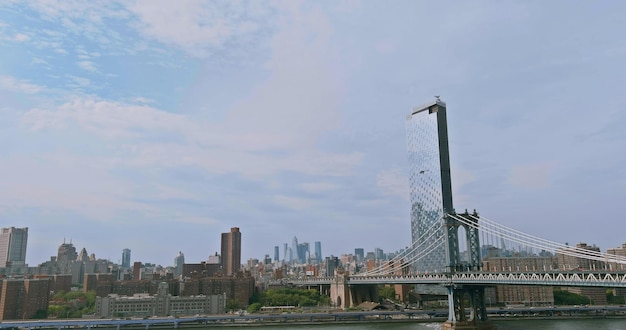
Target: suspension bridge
[{"x": 441, "y": 257}]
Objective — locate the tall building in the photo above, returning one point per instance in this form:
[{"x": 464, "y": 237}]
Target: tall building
[
  {"x": 126, "y": 258},
  {"x": 359, "y": 254},
  {"x": 429, "y": 181},
  {"x": 179, "y": 261},
  {"x": 23, "y": 298},
  {"x": 13, "y": 246},
  {"x": 231, "y": 251},
  {"x": 66, "y": 252},
  {"x": 303, "y": 252},
  {"x": 276, "y": 253},
  {"x": 318, "y": 251},
  {"x": 294, "y": 249},
  {"x": 286, "y": 253}
]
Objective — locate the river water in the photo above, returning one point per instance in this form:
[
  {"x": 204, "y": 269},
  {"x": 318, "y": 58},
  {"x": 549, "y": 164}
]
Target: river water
[{"x": 551, "y": 324}]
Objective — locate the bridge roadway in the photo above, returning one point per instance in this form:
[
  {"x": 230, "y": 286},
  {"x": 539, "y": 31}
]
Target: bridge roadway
[{"x": 555, "y": 278}]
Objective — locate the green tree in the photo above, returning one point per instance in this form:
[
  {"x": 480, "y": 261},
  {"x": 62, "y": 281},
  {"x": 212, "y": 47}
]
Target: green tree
[
  {"x": 254, "y": 307},
  {"x": 562, "y": 297},
  {"x": 387, "y": 292}
]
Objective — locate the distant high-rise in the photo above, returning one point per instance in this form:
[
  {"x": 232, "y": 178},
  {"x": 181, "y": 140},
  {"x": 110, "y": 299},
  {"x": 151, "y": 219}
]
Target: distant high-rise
[
  {"x": 286, "y": 257},
  {"x": 67, "y": 252},
  {"x": 13, "y": 246},
  {"x": 429, "y": 180},
  {"x": 231, "y": 251},
  {"x": 303, "y": 252},
  {"x": 318, "y": 251},
  {"x": 126, "y": 258},
  {"x": 359, "y": 254},
  {"x": 380, "y": 255},
  {"x": 276, "y": 253},
  {"x": 179, "y": 261},
  {"x": 294, "y": 250}
]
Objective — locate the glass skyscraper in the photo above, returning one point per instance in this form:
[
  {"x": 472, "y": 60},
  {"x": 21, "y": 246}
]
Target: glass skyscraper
[
  {"x": 430, "y": 184},
  {"x": 126, "y": 258}
]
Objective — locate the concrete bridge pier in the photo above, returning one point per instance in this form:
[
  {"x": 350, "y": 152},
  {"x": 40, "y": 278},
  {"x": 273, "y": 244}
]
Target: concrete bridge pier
[
  {"x": 344, "y": 296},
  {"x": 458, "y": 299}
]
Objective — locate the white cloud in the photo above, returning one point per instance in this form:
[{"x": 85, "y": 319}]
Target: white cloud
[
  {"x": 20, "y": 37},
  {"x": 87, "y": 65},
  {"x": 217, "y": 148},
  {"x": 15, "y": 85},
  {"x": 198, "y": 26}
]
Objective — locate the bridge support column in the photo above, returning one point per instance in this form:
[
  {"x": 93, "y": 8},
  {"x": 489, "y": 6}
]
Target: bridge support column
[
  {"x": 458, "y": 319},
  {"x": 339, "y": 292}
]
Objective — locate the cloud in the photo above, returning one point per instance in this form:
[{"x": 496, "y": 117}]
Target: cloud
[
  {"x": 197, "y": 27},
  {"x": 531, "y": 176},
  {"x": 154, "y": 137},
  {"x": 87, "y": 65},
  {"x": 16, "y": 85}
]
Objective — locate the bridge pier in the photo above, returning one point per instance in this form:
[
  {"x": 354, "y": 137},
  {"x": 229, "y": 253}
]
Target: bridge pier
[
  {"x": 457, "y": 317},
  {"x": 343, "y": 295}
]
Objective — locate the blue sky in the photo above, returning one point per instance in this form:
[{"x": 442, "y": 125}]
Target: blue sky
[{"x": 158, "y": 125}]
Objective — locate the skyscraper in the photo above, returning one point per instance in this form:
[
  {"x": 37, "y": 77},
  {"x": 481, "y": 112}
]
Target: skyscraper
[
  {"x": 294, "y": 250},
  {"x": 66, "y": 252},
  {"x": 126, "y": 258},
  {"x": 231, "y": 251},
  {"x": 429, "y": 181},
  {"x": 359, "y": 254},
  {"x": 276, "y": 254},
  {"x": 318, "y": 251},
  {"x": 179, "y": 261},
  {"x": 13, "y": 246}
]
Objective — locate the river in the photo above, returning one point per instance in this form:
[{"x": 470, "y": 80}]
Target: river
[{"x": 550, "y": 324}]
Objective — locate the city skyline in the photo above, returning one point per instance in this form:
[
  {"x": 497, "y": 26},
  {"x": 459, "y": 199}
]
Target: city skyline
[{"x": 121, "y": 129}]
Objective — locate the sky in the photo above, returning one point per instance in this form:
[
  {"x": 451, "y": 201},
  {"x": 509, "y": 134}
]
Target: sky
[{"x": 158, "y": 125}]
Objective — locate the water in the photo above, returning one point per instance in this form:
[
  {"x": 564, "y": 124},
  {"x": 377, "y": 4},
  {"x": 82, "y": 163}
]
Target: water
[{"x": 552, "y": 324}]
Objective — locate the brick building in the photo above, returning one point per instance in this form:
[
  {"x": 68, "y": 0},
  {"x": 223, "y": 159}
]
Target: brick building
[{"x": 23, "y": 298}]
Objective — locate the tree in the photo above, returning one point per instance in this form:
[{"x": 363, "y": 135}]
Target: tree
[
  {"x": 387, "y": 292},
  {"x": 255, "y": 307}
]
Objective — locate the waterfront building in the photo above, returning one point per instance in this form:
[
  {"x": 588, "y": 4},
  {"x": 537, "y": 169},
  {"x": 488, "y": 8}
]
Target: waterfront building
[
  {"x": 13, "y": 246},
  {"x": 429, "y": 180},
  {"x": 161, "y": 304},
  {"x": 24, "y": 298},
  {"x": 231, "y": 251},
  {"x": 567, "y": 262},
  {"x": 619, "y": 251}
]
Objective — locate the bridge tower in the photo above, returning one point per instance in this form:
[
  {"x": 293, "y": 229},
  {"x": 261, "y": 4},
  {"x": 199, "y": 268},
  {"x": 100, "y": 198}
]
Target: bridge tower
[
  {"x": 461, "y": 297},
  {"x": 432, "y": 207}
]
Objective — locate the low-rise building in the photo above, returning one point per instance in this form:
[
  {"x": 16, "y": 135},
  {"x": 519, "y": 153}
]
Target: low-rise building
[{"x": 161, "y": 304}]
